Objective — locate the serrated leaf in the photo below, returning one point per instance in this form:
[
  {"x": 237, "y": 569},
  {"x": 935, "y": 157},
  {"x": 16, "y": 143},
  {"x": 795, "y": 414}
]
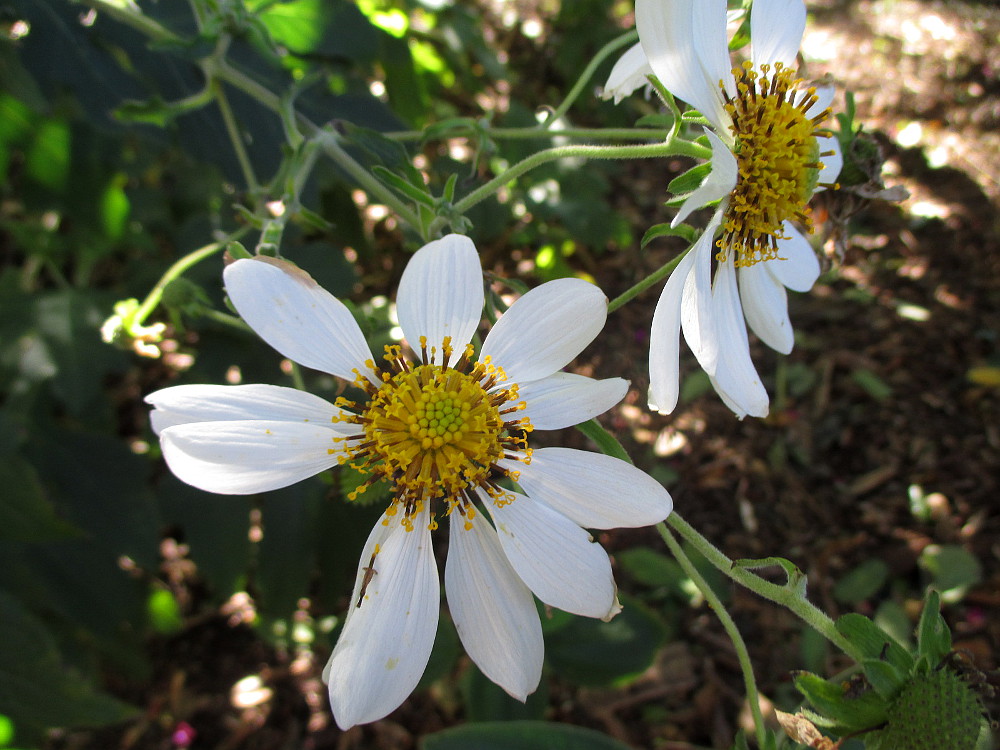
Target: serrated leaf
[
  {"x": 874, "y": 642},
  {"x": 690, "y": 180},
  {"x": 519, "y": 735}
]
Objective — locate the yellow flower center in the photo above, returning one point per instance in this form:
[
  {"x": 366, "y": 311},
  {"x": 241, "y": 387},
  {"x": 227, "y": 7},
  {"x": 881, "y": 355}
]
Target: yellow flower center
[
  {"x": 777, "y": 157},
  {"x": 436, "y": 431}
]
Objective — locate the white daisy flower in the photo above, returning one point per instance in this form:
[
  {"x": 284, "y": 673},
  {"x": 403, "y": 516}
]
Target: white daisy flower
[
  {"x": 443, "y": 430},
  {"x": 768, "y": 148}
]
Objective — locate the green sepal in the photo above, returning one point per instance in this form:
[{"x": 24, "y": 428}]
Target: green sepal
[
  {"x": 237, "y": 251},
  {"x": 414, "y": 193},
  {"x": 838, "y": 712},
  {"x": 874, "y": 642},
  {"x": 933, "y": 635},
  {"x": 690, "y": 180},
  {"x": 665, "y": 230},
  {"x": 884, "y": 678}
]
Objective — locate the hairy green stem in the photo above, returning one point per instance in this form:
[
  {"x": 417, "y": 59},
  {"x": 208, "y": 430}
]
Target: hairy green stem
[
  {"x": 236, "y": 138},
  {"x": 742, "y": 655},
  {"x": 588, "y": 72},
  {"x": 644, "y": 151},
  {"x": 179, "y": 267},
  {"x": 131, "y": 16},
  {"x": 787, "y": 596},
  {"x": 613, "y": 134},
  {"x": 665, "y": 270}
]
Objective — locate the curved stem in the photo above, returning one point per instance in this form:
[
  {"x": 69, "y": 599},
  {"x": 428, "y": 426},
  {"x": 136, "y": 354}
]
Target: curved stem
[
  {"x": 742, "y": 655},
  {"x": 134, "y": 18},
  {"x": 786, "y": 596},
  {"x": 665, "y": 270},
  {"x": 645, "y": 151},
  {"x": 179, "y": 267},
  {"x": 233, "y": 130},
  {"x": 588, "y": 72},
  {"x": 613, "y": 134}
]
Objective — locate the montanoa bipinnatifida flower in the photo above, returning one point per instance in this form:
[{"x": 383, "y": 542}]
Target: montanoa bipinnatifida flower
[
  {"x": 447, "y": 429},
  {"x": 769, "y": 151}
]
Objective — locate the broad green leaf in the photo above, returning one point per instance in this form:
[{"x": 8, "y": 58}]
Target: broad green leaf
[
  {"x": 26, "y": 514},
  {"x": 37, "y": 690},
  {"x": 862, "y": 582},
  {"x": 486, "y": 701},
  {"x": 651, "y": 568},
  {"x": 444, "y": 654},
  {"x": 519, "y": 735},
  {"x": 953, "y": 569},
  {"x": 215, "y": 527},
  {"x": 329, "y": 28},
  {"x": 592, "y": 652}
]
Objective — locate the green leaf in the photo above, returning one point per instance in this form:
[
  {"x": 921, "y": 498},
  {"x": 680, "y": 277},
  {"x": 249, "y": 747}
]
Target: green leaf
[
  {"x": 164, "y": 612},
  {"x": 836, "y": 709},
  {"x": 883, "y": 677},
  {"x": 330, "y": 28},
  {"x": 690, "y": 180},
  {"x": 287, "y": 551},
  {"x": 862, "y": 582},
  {"x": 953, "y": 569},
  {"x": 37, "y": 690},
  {"x": 26, "y": 515},
  {"x": 873, "y": 641},
  {"x": 651, "y": 568},
  {"x": 933, "y": 635},
  {"x": 419, "y": 195},
  {"x": 519, "y": 735},
  {"x": 665, "y": 230},
  {"x": 486, "y": 701},
  {"x": 591, "y": 652},
  {"x": 873, "y": 385}
]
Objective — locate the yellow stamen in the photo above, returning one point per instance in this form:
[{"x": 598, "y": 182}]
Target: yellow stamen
[
  {"x": 778, "y": 161},
  {"x": 437, "y": 432}
]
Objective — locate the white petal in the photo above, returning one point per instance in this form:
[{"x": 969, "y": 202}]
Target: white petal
[
  {"x": 628, "y": 74},
  {"x": 557, "y": 559},
  {"x": 665, "y": 335},
  {"x": 824, "y": 98},
  {"x": 735, "y": 376},
  {"x": 564, "y": 399},
  {"x": 697, "y": 318},
  {"x": 386, "y": 642},
  {"x": 593, "y": 490},
  {"x": 441, "y": 293},
  {"x": 833, "y": 162},
  {"x": 719, "y": 183},
  {"x": 181, "y": 404},
  {"x": 765, "y": 306},
  {"x": 776, "y": 28},
  {"x": 797, "y": 266},
  {"x": 296, "y": 316},
  {"x": 685, "y": 44},
  {"x": 493, "y": 610},
  {"x": 241, "y": 458},
  {"x": 546, "y": 328}
]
